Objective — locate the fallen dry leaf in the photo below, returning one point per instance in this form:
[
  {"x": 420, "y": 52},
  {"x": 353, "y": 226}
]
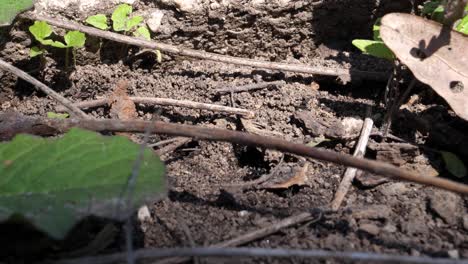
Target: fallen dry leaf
[
  {"x": 436, "y": 55},
  {"x": 299, "y": 178},
  {"x": 122, "y": 107}
]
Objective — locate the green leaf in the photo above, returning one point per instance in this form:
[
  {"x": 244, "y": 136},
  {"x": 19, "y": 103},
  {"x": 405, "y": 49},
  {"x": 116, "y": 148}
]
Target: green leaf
[
  {"x": 75, "y": 39},
  {"x": 438, "y": 14},
  {"x": 376, "y": 30},
  {"x": 10, "y": 8},
  {"x": 375, "y": 48},
  {"x": 35, "y": 51},
  {"x": 120, "y": 16},
  {"x": 133, "y": 22},
  {"x": 98, "y": 21},
  {"x": 57, "y": 115},
  {"x": 52, "y": 43},
  {"x": 453, "y": 164},
  {"x": 430, "y": 6},
  {"x": 54, "y": 183},
  {"x": 463, "y": 26},
  {"x": 142, "y": 32},
  {"x": 40, "y": 30}
]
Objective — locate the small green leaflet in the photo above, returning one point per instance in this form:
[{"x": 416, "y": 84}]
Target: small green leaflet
[
  {"x": 75, "y": 39},
  {"x": 40, "y": 30},
  {"x": 10, "y": 8},
  {"x": 133, "y": 22},
  {"x": 142, "y": 32},
  {"x": 375, "y": 48},
  {"x": 54, "y": 183},
  {"x": 35, "y": 51},
  {"x": 430, "y": 6},
  {"x": 453, "y": 164},
  {"x": 463, "y": 26},
  {"x": 98, "y": 21},
  {"x": 120, "y": 16},
  {"x": 376, "y": 30},
  {"x": 438, "y": 14}
]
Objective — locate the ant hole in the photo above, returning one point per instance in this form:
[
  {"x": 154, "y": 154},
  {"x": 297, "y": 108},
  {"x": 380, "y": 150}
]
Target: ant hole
[
  {"x": 456, "y": 86},
  {"x": 417, "y": 53}
]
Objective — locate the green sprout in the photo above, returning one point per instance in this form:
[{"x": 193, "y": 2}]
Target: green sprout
[
  {"x": 42, "y": 31},
  {"x": 375, "y": 47},
  {"x": 122, "y": 20}
]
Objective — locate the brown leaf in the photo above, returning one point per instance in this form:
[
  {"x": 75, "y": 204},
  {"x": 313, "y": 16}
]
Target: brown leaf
[
  {"x": 122, "y": 107},
  {"x": 299, "y": 178},
  {"x": 436, "y": 55}
]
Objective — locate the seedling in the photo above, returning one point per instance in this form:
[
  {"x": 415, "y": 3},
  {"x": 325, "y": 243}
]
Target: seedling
[
  {"x": 375, "y": 47},
  {"x": 122, "y": 20},
  {"x": 42, "y": 31}
]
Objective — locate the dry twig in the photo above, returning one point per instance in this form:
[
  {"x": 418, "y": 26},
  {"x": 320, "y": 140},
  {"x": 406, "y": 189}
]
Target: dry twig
[
  {"x": 250, "y": 87},
  {"x": 266, "y": 252},
  {"x": 23, "y": 75},
  {"x": 350, "y": 173},
  {"x": 171, "y": 147},
  {"x": 169, "y": 102},
  {"x": 12, "y": 124},
  {"x": 301, "y": 68}
]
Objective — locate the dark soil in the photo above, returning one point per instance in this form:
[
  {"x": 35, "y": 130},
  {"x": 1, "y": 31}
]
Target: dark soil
[{"x": 203, "y": 207}]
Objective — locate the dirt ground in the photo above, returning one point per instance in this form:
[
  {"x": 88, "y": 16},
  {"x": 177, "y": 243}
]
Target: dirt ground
[{"x": 204, "y": 206}]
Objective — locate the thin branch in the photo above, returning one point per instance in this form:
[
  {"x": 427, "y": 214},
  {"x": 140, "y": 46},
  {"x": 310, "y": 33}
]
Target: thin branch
[
  {"x": 170, "y": 102},
  {"x": 350, "y": 173},
  {"x": 165, "y": 142},
  {"x": 170, "y": 148},
  {"x": 250, "y": 87},
  {"x": 301, "y": 68},
  {"x": 42, "y": 87},
  {"x": 265, "y": 252},
  {"x": 11, "y": 124},
  {"x": 253, "y": 235}
]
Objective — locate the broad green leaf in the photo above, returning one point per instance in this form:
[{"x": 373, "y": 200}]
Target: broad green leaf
[
  {"x": 142, "y": 32},
  {"x": 53, "y": 43},
  {"x": 375, "y": 48},
  {"x": 98, "y": 21},
  {"x": 120, "y": 16},
  {"x": 430, "y": 6},
  {"x": 75, "y": 39},
  {"x": 438, "y": 14},
  {"x": 35, "y": 51},
  {"x": 10, "y": 8},
  {"x": 376, "y": 30},
  {"x": 57, "y": 115},
  {"x": 54, "y": 183},
  {"x": 453, "y": 164},
  {"x": 463, "y": 26},
  {"x": 133, "y": 22},
  {"x": 40, "y": 30}
]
